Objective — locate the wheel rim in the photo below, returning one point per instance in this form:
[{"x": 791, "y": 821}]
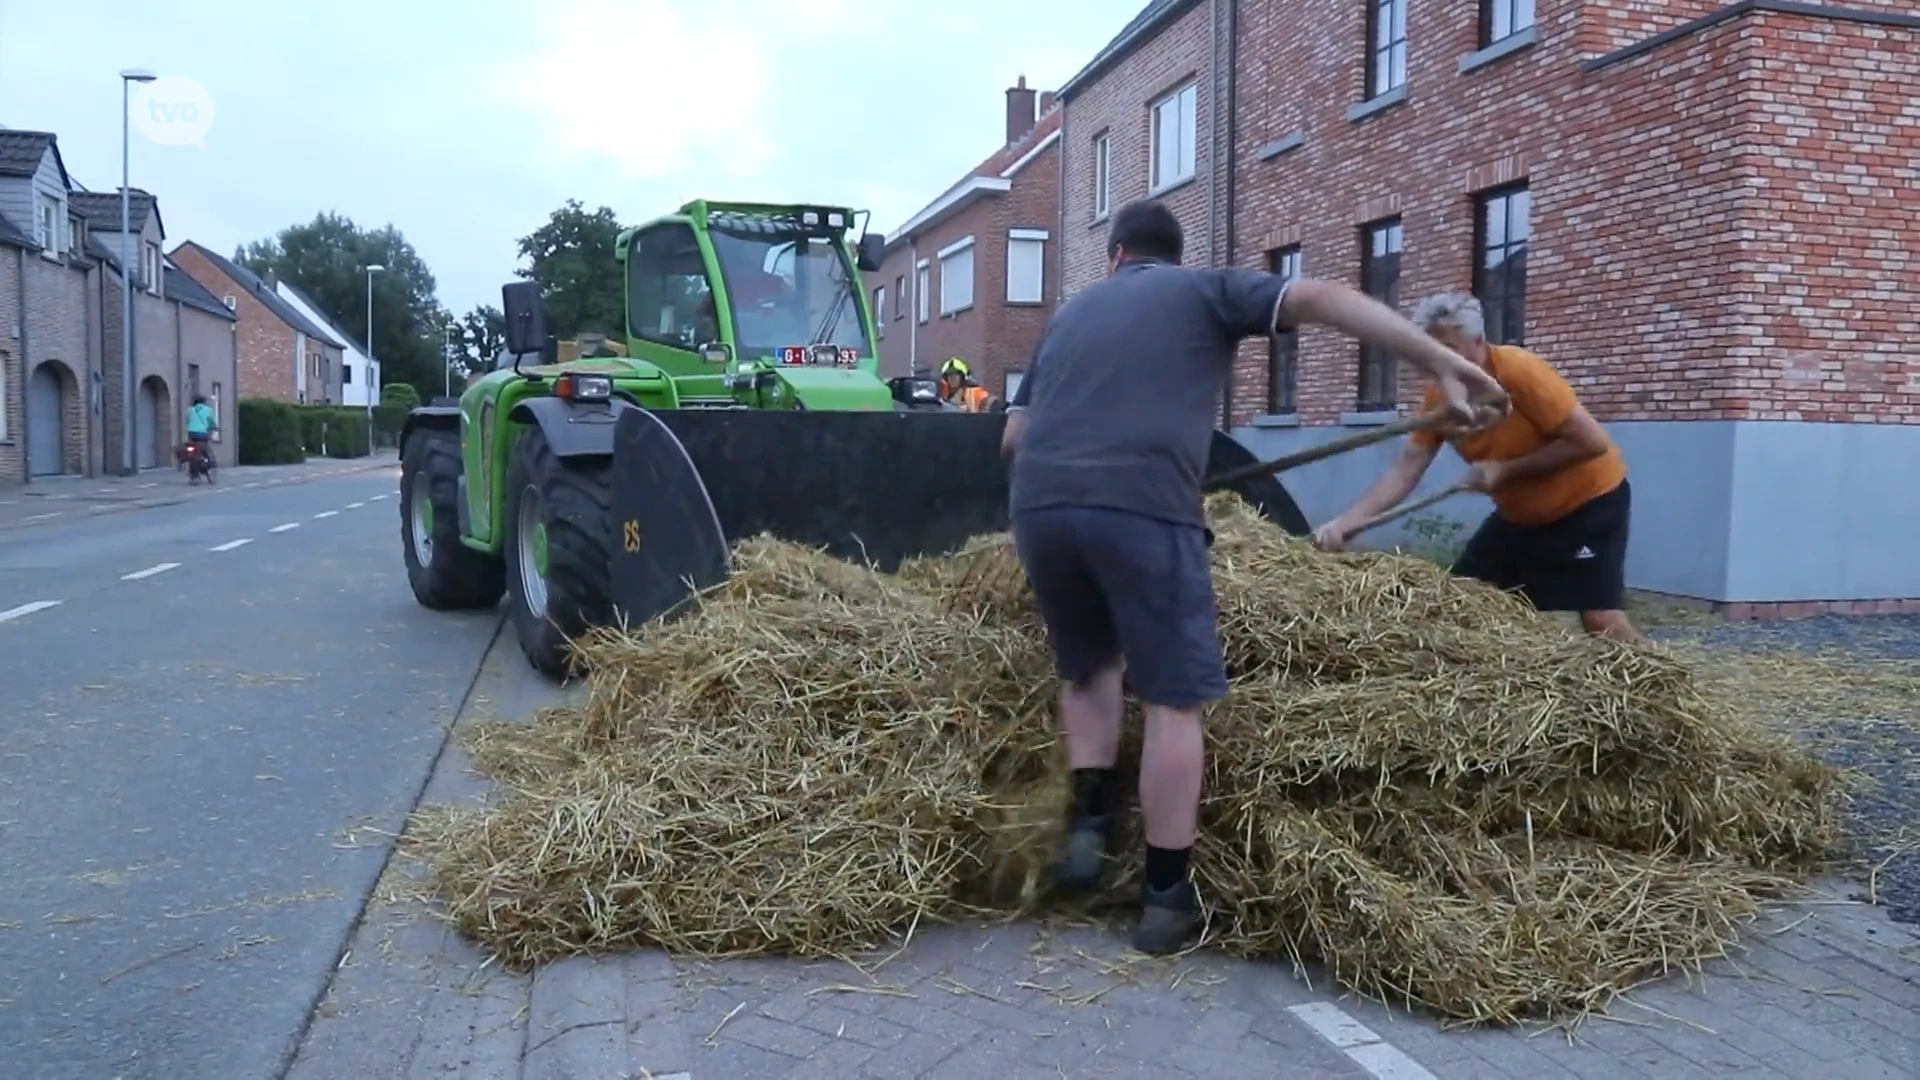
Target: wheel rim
[
  {"x": 532, "y": 542},
  {"x": 422, "y": 524}
]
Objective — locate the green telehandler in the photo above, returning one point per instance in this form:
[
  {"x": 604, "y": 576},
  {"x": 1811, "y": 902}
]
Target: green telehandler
[{"x": 608, "y": 489}]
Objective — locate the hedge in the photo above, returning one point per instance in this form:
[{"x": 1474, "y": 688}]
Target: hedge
[
  {"x": 270, "y": 432},
  {"x": 335, "y": 431}
]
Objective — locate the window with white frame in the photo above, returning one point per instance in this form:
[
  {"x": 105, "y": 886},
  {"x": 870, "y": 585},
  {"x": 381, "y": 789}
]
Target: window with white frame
[
  {"x": 880, "y": 309},
  {"x": 152, "y": 268},
  {"x": 1026, "y": 266},
  {"x": 956, "y": 276},
  {"x": 922, "y": 290},
  {"x": 1102, "y": 176},
  {"x": 899, "y": 296},
  {"x": 1175, "y": 127},
  {"x": 48, "y": 229}
]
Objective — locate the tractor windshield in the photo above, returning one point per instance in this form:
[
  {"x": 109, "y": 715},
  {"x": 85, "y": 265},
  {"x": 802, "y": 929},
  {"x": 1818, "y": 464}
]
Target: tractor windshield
[{"x": 789, "y": 290}]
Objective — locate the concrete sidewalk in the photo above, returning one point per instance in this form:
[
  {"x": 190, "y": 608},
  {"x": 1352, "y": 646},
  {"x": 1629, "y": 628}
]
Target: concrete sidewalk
[
  {"x": 64, "y": 498},
  {"x": 1826, "y": 990}
]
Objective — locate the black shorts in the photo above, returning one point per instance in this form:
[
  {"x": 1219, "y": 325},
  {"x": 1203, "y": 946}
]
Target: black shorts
[
  {"x": 1114, "y": 585},
  {"x": 1578, "y": 563}
]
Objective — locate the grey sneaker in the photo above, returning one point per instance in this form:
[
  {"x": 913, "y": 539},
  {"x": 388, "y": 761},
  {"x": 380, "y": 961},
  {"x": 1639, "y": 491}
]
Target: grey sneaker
[
  {"x": 1083, "y": 858},
  {"x": 1168, "y": 918}
]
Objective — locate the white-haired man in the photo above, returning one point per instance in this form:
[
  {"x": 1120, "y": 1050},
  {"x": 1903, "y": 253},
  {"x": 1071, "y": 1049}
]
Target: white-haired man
[{"x": 1558, "y": 532}]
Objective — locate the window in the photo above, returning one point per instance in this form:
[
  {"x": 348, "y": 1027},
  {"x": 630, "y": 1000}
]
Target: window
[
  {"x": 193, "y": 381},
  {"x": 213, "y": 399},
  {"x": 1380, "y": 246},
  {"x": 1102, "y": 176},
  {"x": 785, "y": 288},
  {"x": 671, "y": 301},
  {"x": 1174, "y": 127},
  {"x": 956, "y": 277},
  {"x": 1387, "y": 45},
  {"x": 900, "y": 296},
  {"x": 922, "y": 288},
  {"x": 1501, "y": 19},
  {"x": 150, "y": 267},
  {"x": 1500, "y": 264},
  {"x": 1014, "y": 378},
  {"x": 346, "y": 374},
  {"x": 48, "y": 229},
  {"x": 879, "y": 306},
  {"x": 76, "y": 234},
  {"x": 1026, "y": 266},
  {"x": 1283, "y": 350}
]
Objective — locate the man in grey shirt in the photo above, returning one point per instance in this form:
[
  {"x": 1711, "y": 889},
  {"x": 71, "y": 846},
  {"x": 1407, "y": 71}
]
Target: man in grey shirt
[{"x": 1108, "y": 435}]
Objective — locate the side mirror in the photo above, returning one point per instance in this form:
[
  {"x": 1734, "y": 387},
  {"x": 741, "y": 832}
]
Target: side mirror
[
  {"x": 526, "y": 317},
  {"x": 873, "y": 251},
  {"x": 716, "y": 352},
  {"x": 915, "y": 390}
]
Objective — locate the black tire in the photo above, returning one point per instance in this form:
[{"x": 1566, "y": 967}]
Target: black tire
[
  {"x": 449, "y": 575},
  {"x": 575, "y": 507}
]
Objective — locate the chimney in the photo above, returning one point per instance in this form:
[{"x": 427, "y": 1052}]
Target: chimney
[
  {"x": 1020, "y": 111},
  {"x": 1046, "y": 102}
]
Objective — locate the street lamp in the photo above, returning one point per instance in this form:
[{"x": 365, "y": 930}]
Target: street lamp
[
  {"x": 372, "y": 269},
  {"x": 130, "y": 462},
  {"x": 447, "y": 334}
]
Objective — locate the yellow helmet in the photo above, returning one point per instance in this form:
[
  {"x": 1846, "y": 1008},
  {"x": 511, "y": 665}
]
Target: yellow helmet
[{"x": 956, "y": 366}]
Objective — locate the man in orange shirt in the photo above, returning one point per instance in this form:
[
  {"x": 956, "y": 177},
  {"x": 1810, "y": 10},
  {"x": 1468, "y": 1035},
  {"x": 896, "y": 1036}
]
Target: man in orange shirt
[{"x": 1558, "y": 533}]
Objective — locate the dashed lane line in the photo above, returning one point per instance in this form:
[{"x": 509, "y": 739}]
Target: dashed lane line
[
  {"x": 284, "y": 528},
  {"x": 231, "y": 544},
  {"x": 376, "y": 498},
  {"x": 43, "y": 517},
  {"x": 324, "y": 514},
  {"x": 355, "y": 506},
  {"x": 159, "y": 568},
  {"x": 1379, "y": 1057},
  {"x": 27, "y": 609}
]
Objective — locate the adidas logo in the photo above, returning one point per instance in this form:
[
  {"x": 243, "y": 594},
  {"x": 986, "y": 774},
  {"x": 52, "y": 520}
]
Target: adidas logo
[{"x": 1585, "y": 552}]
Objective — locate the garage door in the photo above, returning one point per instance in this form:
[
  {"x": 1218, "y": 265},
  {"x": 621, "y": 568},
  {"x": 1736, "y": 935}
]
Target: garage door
[
  {"x": 148, "y": 433},
  {"x": 46, "y": 426}
]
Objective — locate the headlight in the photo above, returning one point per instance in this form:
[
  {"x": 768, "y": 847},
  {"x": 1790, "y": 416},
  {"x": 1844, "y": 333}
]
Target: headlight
[
  {"x": 826, "y": 354},
  {"x": 583, "y": 387}
]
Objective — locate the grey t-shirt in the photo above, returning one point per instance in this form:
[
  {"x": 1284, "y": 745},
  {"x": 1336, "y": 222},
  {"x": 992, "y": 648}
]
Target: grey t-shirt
[{"x": 1124, "y": 388}]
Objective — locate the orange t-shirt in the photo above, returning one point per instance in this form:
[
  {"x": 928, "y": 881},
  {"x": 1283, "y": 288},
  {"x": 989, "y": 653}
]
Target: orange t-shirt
[{"x": 1541, "y": 402}]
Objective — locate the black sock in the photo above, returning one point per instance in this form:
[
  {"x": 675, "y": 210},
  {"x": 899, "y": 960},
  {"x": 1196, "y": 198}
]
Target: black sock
[
  {"x": 1166, "y": 867},
  {"x": 1092, "y": 792}
]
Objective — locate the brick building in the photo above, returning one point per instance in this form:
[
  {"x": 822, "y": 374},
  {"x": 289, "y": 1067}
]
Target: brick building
[
  {"x": 283, "y": 355},
  {"x": 1702, "y": 213},
  {"x": 61, "y": 302},
  {"x": 969, "y": 275}
]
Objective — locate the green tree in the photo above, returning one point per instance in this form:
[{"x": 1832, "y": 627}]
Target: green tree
[
  {"x": 483, "y": 333},
  {"x": 327, "y": 258},
  {"x": 572, "y": 257}
]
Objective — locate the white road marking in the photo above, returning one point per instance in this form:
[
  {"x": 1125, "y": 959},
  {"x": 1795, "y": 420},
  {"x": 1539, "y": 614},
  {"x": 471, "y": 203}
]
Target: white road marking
[
  {"x": 43, "y": 517},
  {"x": 231, "y": 544},
  {"x": 254, "y": 484},
  {"x": 284, "y": 528},
  {"x": 325, "y": 514},
  {"x": 160, "y": 568},
  {"x": 1356, "y": 1040},
  {"x": 27, "y": 609},
  {"x": 108, "y": 491},
  {"x": 155, "y": 483},
  {"x": 355, "y": 506},
  {"x": 376, "y": 498}
]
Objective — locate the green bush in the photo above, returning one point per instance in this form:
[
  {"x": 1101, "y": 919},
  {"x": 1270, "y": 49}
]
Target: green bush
[
  {"x": 335, "y": 431},
  {"x": 270, "y": 433},
  {"x": 402, "y": 394}
]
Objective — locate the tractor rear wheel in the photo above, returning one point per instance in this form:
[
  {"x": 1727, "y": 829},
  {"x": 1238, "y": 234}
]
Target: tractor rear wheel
[
  {"x": 446, "y": 574},
  {"x": 559, "y": 550}
]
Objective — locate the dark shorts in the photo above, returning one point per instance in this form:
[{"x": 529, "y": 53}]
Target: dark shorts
[
  {"x": 1578, "y": 563},
  {"x": 1114, "y": 585},
  {"x": 198, "y": 436}
]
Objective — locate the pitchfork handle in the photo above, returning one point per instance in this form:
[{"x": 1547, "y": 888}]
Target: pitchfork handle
[
  {"x": 1327, "y": 450},
  {"x": 1403, "y": 510}
]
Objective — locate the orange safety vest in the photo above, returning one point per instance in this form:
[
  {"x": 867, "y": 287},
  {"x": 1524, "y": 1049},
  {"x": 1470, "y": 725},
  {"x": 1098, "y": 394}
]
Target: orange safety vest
[{"x": 971, "y": 399}]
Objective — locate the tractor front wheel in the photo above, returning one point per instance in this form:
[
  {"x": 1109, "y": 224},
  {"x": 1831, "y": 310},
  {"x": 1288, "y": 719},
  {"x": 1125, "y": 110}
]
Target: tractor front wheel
[
  {"x": 559, "y": 550},
  {"x": 446, "y": 574}
]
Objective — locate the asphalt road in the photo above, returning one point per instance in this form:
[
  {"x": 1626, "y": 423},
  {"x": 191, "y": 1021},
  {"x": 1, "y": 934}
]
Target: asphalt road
[{"x": 216, "y": 716}]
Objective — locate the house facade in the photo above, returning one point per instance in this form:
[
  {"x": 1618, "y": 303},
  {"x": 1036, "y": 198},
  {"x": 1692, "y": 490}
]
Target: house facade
[
  {"x": 973, "y": 274},
  {"x": 61, "y": 303},
  {"x": 1700, "y": 212},
  {"x": 283, "y": 355},
  {"x": 359, "y": 374}
]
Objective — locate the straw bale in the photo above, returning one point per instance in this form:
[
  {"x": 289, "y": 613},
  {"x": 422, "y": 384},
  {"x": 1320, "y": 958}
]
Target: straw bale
[{"x": 1446, "y": 797}]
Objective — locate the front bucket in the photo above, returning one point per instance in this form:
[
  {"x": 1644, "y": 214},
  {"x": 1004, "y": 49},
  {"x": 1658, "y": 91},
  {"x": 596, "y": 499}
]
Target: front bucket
[{"x": 877, "y": 487}]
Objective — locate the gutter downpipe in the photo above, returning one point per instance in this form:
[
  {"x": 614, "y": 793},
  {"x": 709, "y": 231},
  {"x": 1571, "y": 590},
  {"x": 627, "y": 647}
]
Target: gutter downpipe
[
  {"x": 1060, "y": 211},
  {"x": 1233, "y": 159},
  {"x": 26, "y": 371}
]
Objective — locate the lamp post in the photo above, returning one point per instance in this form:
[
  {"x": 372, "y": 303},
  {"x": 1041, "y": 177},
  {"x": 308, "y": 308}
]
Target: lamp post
[
  {"x": 372, "y": 269},
  {"x": 446, "y": 358},
  {"x": 130, "y": 462}
]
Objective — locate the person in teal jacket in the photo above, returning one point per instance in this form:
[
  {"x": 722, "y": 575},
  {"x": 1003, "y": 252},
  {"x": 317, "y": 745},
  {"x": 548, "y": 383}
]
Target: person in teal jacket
[{"x": 201, "y": 424}]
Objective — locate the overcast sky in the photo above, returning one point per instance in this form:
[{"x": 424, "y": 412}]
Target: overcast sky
[{"x": 464, "y": 124}]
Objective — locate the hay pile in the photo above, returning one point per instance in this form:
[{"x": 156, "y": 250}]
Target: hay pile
[{"x": 1445, "y": 797}]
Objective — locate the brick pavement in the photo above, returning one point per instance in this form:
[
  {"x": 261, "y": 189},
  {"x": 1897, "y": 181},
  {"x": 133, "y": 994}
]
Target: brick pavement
[{"x": 1828, "y": 990}]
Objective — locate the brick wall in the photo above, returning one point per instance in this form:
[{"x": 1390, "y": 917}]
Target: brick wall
[
  {"x": 963, "y": 334},
  {"x": 267, "y": 363},
  {"x": 56, "y": 322},
  {"x": 156, "y": 354},
  {"x": 13, "y": 375},
  {"x": 1117, "y": 104},
  {"x": 1014, "y": 329},
  {"x": 1677, "y": 199}
]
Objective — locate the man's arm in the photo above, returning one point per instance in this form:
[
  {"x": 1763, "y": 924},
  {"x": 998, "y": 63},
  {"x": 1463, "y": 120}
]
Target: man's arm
[
  {"x": 1578, "y": 438},
  {"x": 1347, "y": 309}
]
